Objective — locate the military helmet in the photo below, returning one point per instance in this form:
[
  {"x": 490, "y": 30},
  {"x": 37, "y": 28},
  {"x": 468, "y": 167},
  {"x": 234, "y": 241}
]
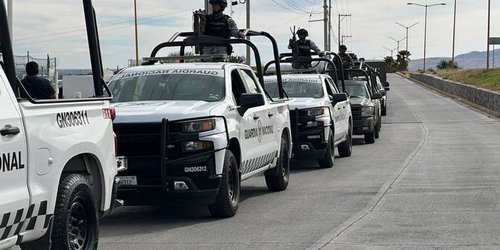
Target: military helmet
[
  {"x": 302, "y": 32},
  {"x": 223, "y": 3}
]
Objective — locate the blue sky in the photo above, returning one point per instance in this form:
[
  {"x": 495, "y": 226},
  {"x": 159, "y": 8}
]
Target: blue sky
[{"x": 57, "y": 27}]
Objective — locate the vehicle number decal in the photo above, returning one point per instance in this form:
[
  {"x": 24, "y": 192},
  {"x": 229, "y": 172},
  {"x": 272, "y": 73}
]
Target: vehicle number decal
[
  {"x": 11, "y": 161},
  {"x": 72, "y": 119}
]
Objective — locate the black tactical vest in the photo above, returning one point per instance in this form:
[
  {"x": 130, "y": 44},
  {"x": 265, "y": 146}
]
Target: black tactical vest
[
  {"x": 217, "y": 26},
  {"x": 304, "y": 48}
]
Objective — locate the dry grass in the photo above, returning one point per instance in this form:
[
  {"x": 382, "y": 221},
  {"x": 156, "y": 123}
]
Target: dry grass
[{"x": 477, "y": 77}]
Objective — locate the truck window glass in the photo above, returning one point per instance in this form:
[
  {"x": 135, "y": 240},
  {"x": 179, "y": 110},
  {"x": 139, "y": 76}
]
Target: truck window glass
[
  {"x": 168, "y": 87},
  {"x": 249, "y": 82}
]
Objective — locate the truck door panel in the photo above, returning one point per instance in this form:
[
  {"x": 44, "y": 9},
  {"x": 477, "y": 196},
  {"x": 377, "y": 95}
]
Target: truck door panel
[{"x": 14, "y": 198}]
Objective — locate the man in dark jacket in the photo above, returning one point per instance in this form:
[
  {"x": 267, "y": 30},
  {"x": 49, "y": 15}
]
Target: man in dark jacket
[{"x": 37, "y": 87}]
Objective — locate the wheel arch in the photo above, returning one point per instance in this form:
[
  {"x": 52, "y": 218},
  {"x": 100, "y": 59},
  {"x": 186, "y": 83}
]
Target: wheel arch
[
  {"x": 234, "y": 146},
  {"x": 89, "y": 165}
]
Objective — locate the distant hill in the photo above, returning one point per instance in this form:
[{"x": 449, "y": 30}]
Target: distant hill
[{"x": 471, "y": 60}]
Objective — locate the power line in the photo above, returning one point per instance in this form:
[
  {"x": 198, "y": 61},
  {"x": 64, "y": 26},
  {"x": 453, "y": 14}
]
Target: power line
[{"x": 73, "y": 30}]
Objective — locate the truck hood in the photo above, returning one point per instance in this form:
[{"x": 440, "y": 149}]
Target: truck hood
[
  {"x": 303, "y": 103},
  {"x": 155, "y": 111},
  {"x": 360, "y": 101}
]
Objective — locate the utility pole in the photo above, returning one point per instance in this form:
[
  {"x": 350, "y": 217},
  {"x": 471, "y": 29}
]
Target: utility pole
[
  {"x": 136, "y": 35},
  {"x": 341, "y": 17},
  {"x": 330, "y": 25},
  {"x": 325, "y": 20},
  {"x": 248, "y": 59},
  {"x": 454, "y": 33},
  {"x": 488, "y": 38}
]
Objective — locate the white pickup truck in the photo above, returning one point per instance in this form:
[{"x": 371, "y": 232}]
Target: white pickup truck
[
  {"x": 57, "y": 163},
  {"x": 320, "y": 116},
  {"x": 192, "y": 132}
]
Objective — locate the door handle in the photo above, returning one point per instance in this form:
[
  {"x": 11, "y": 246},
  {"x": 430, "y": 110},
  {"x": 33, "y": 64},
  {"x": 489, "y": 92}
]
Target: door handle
[
  {"x": 270, "y": 115},
  {"x": 9, "y": 130},
  {"x": 256, "y": 117}
]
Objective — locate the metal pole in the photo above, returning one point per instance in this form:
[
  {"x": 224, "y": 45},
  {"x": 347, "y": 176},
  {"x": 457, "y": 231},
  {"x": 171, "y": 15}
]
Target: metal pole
[
  {"x": 340, "y": 16},
  {"x": 454, "y": 32},
  {"x": 425, "y": 35},
  {"x": 325, "y": 21},
  {"x": 10, "y": 16},
  {"x": 136, "y": 35},
  {"x": 330, "y": 25},
  {"x": 407, "y": 38},
  {"x": 248, "y": 59},
  {"x": 488, "y": 38}
]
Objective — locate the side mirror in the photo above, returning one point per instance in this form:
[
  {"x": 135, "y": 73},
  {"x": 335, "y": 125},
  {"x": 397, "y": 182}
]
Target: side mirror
[
  {"x": 339, "y": 98},
  {"x": 387, "y": 84},
  {"x": 387, "y": 88},
  {"x": 251, "y": 100},
  {"x": 377, "y": 96}
]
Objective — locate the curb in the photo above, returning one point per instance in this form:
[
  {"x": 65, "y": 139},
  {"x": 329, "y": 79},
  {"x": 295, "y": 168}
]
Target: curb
[{"x": 484, "y": 100}]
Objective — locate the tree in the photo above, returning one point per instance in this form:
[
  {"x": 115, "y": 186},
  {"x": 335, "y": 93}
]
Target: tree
[
  {"x": 446, "y": 65},
  {"x": 402, "y": 60},
  {"x": 236, "y": 59},
  {"x": 390, "y": 64}
]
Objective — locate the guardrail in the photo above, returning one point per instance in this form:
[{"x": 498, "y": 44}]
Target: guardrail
[{"x": 485, "y": 99}]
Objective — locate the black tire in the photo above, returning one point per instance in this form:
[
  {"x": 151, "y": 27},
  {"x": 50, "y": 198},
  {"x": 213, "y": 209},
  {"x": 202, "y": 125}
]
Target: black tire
[
  {"x": 384, "y": 111},
  {"x": 228, "y": 197},
  {"x": 76, "y": 224},
  {"x": 277, "y": 179},
  {"x": 370, "y": 137},
  {"x": 345, "y": 148},
  {"x": 329, "y": 158},
  {"x": 377, "y": 128}
]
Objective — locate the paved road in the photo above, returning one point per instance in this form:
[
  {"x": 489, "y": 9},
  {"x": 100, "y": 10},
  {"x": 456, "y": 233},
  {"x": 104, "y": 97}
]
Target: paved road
[{"x": 431, "y": 180}]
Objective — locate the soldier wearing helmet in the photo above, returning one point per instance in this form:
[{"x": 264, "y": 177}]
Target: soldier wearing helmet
[
  {"x": 218, "y": 24},
  {"x": 303, "y": 48},
  {"x": 347, "y": 60}
]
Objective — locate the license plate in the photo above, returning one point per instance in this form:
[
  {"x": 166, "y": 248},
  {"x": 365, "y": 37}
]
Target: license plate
[{"x": 128, "y": 181}]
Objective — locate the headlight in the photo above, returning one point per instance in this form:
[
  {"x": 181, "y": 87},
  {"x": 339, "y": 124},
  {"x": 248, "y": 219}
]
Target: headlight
[
  {"x": 198, "y": 126},
  {"x": 315, "y": 112},
  {"x": 193, "y": 146},
  {"x": 368, "y": 111},
  {"x": 314, "y": 124}
]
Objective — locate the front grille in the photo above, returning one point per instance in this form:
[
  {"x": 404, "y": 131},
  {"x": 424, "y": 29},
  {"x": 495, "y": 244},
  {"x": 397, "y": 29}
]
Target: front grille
[
  {"x": 356, "y": 111},
  {"x": 138, "y": 139}
]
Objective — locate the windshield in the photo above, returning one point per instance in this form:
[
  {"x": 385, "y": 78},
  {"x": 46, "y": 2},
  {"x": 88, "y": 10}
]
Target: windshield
[
  {"x": 153, "y": 87},
  {"x": 297, "y": 88},
  {"x": 356, "y": 90}
]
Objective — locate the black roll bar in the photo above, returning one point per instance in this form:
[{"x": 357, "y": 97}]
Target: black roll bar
[
  {"x": 6, "y": 50},
  {"x": 192, "y": 39}
]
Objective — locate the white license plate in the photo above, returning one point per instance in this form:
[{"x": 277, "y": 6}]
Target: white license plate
[{"x": 128, "y": 181}]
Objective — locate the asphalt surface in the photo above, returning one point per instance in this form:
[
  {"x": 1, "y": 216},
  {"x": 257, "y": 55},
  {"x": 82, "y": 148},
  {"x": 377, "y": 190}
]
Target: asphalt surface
[{"x": 432, "y": 180}]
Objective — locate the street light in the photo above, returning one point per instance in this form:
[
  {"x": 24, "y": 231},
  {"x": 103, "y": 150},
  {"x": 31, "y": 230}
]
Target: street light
[
  {"x": 397, "y": 41},
  {"x": 391, "y": 50},
  {"x": 425, "y": 29},
  {"x": 407, "y": 28}
]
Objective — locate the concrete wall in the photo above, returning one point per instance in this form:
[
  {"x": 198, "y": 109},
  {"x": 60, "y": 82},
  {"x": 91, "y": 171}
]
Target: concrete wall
[{"x": 481, "y": 97}]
